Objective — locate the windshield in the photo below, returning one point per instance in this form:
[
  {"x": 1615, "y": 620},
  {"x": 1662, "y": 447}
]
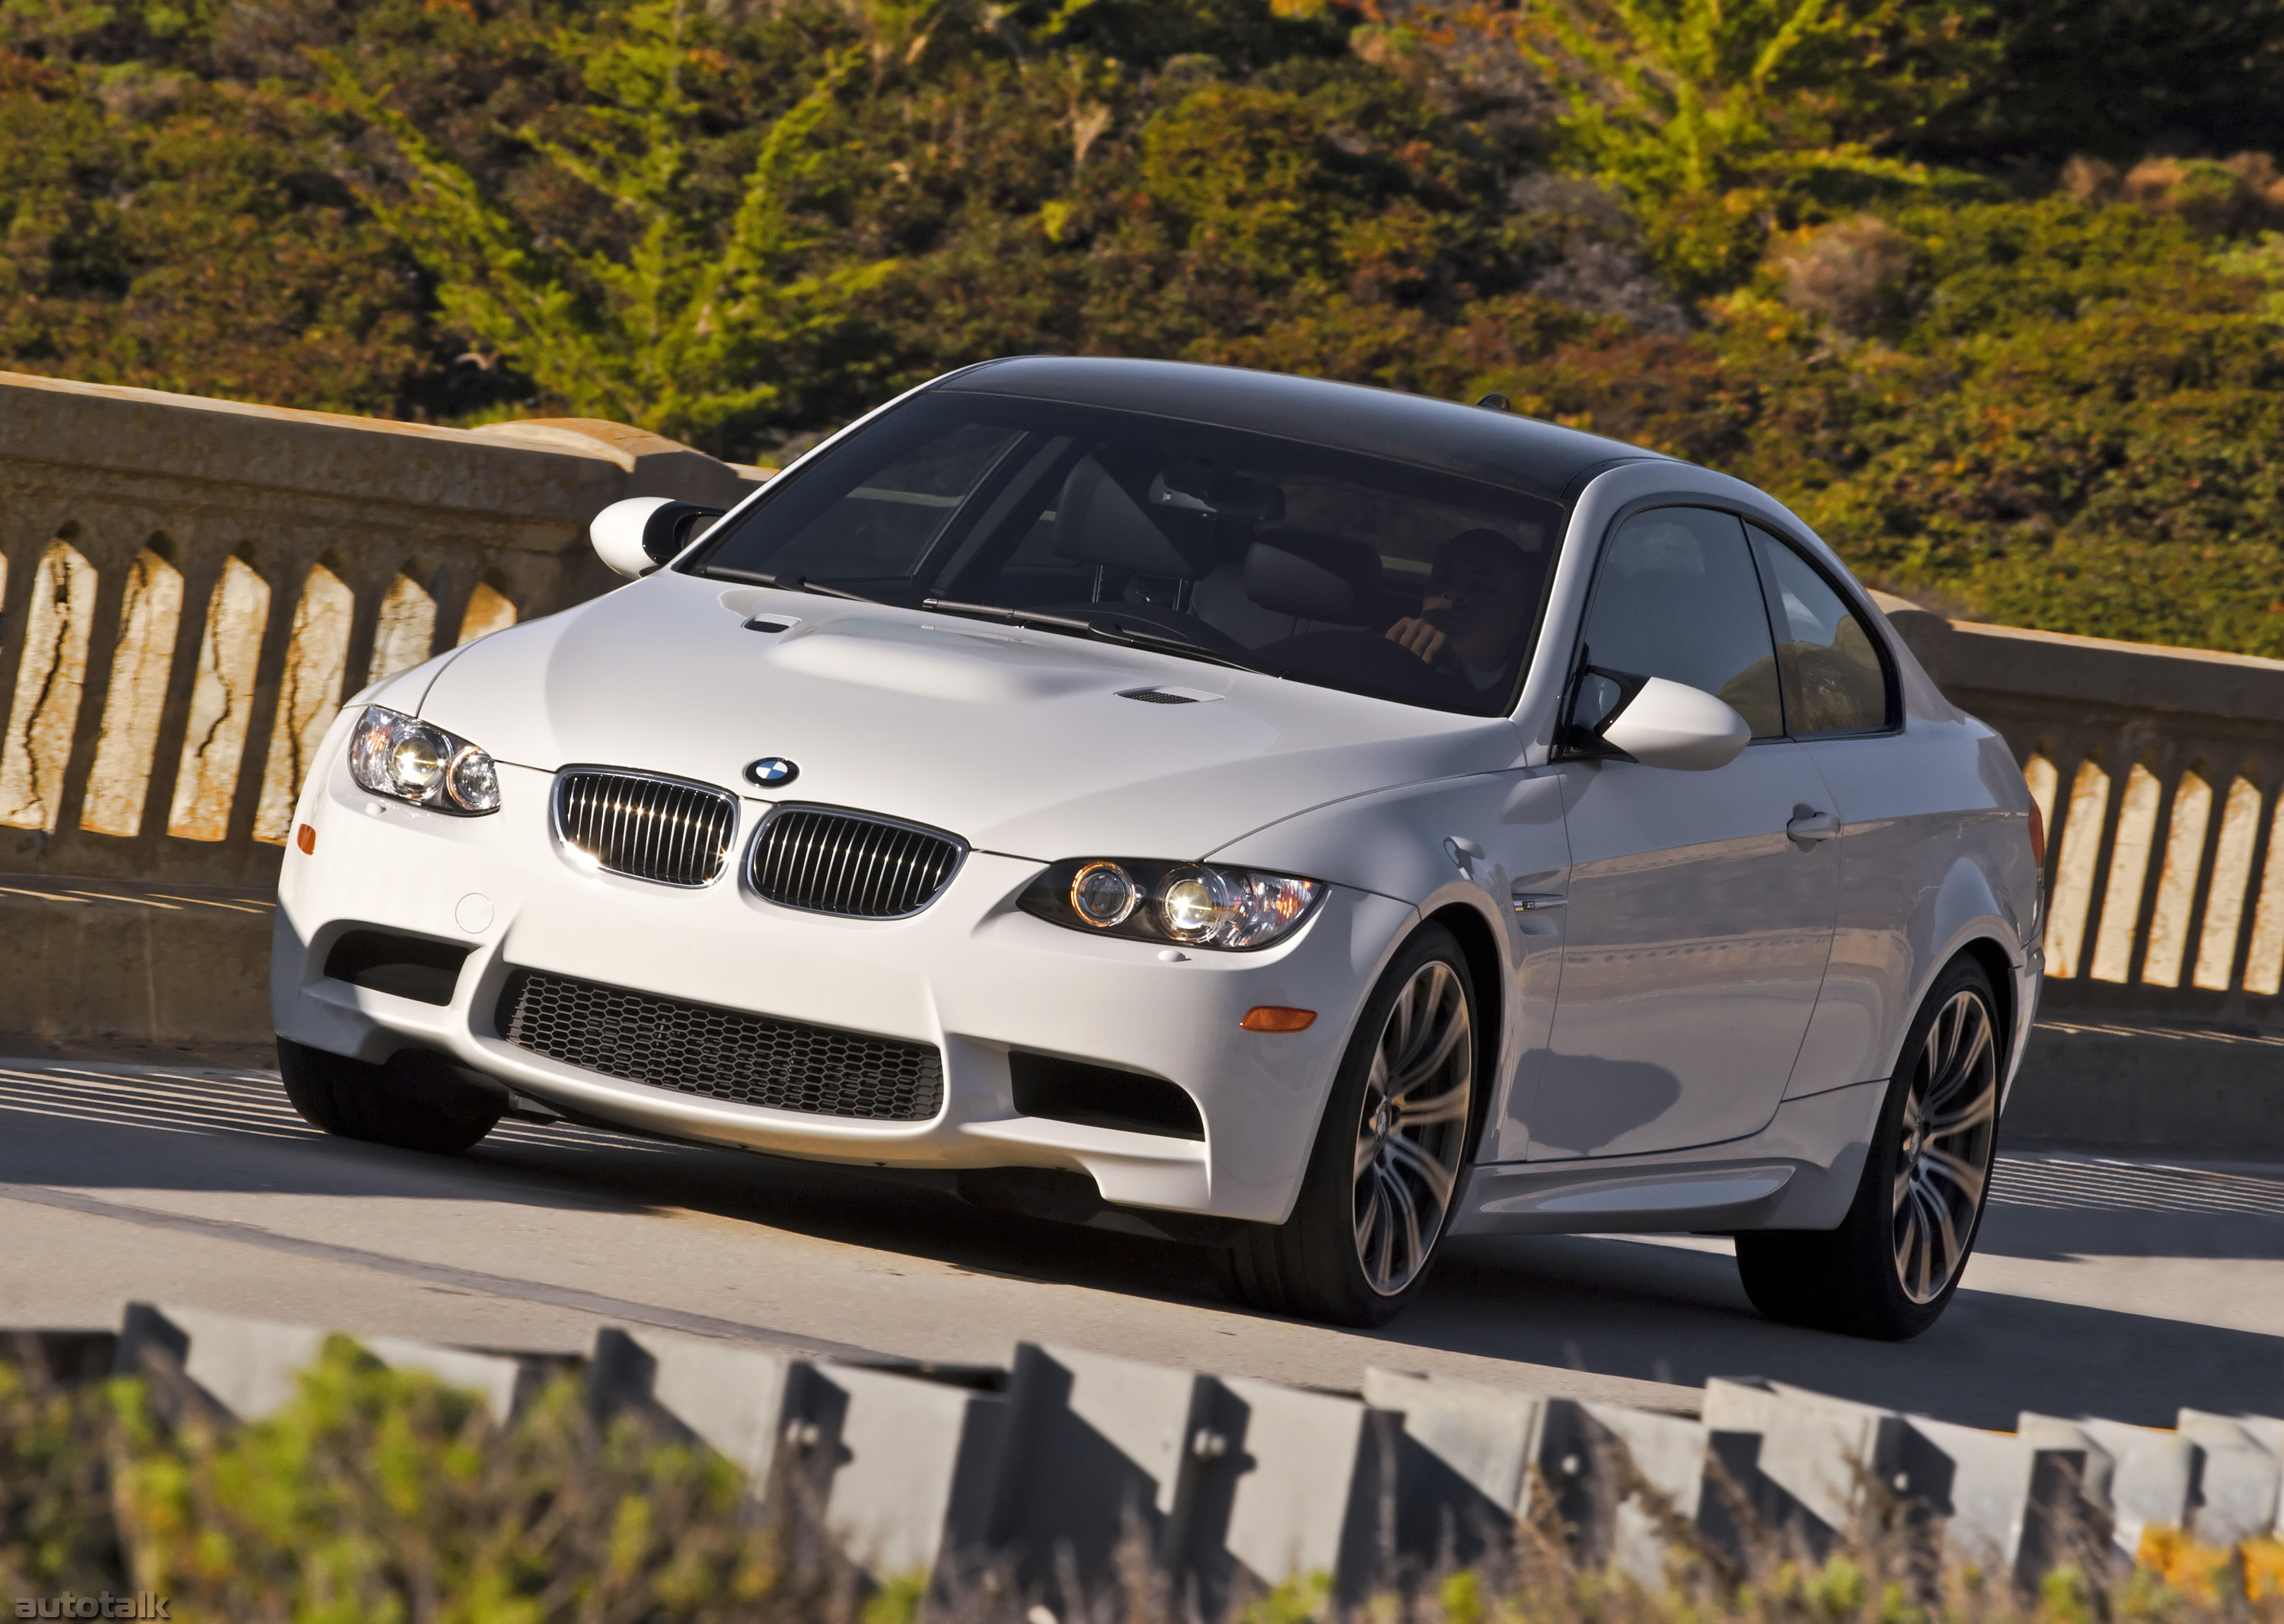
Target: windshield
[{"x": 1305, "y": 562}]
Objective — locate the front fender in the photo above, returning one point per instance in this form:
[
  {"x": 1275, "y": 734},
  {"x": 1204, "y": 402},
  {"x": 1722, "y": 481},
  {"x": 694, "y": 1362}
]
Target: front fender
[{"x": 1469, "y": 843}]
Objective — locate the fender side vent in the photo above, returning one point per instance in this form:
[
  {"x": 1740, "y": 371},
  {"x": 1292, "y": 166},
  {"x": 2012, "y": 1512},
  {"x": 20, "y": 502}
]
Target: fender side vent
[{"x": 1156, "y": 696}]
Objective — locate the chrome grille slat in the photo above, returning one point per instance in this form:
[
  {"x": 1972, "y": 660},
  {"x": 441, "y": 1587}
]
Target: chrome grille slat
[
  {"x": 825, "y": 859},
  {"x": 731, "y": 1055},
  {"x": 644, "y": 826}
]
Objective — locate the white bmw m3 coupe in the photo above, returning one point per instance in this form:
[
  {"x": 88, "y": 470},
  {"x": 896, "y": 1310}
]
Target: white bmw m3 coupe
[{"x": 1293, "y": 818}]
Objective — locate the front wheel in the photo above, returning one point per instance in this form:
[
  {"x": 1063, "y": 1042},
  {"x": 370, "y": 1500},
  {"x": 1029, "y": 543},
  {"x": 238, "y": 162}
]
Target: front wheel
[
  {"x": 414, "y": 1101},
  {"x": 1389, "y": 1158},
  {"x": 1892, "y": 1266}
]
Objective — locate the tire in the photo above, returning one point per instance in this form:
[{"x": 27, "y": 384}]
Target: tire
[
  {"x": 1347, "y": 1255},
  {"x": 415, "y": 1101},
  {"x": 1891, "y": 1268}
]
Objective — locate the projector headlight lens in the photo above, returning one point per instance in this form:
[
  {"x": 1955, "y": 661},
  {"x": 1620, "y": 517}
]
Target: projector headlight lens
[
  {"x": 1193, "y": 904},
  {"x": 1103, "y": 894},
  {"x": 1148, "y": 899},
  {"x": 473, "y": 781},
  {"x": 406, "y": 759}
]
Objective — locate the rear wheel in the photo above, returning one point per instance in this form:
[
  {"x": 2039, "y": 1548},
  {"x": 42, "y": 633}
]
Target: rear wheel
[
  {"x": 1891, "y": 1267},
  {"x": 1389, "y": 1158},
  {"x": 414, "y": 1101}
]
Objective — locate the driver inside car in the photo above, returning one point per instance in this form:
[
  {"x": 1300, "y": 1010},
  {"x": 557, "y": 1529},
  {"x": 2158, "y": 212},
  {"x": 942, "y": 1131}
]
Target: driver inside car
[{"x": 1476, "y": 610}]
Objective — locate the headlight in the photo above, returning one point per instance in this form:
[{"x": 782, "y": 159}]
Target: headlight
[
  {"x": 1192, "y": 904},
  {"x": 406, "y": 759}
]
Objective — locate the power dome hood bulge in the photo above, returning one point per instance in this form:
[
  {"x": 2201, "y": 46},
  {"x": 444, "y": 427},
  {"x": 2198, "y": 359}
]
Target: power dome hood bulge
[{"x": 1017, "y": 741}]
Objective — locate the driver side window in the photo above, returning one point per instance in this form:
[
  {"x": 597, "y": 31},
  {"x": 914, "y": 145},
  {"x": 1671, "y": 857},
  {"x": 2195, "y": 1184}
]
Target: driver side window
[{"x": 1676, "y": 596}]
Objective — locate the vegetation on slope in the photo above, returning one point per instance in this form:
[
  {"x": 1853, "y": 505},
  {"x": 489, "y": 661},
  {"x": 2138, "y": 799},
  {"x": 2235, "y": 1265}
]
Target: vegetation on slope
[{"x": 1992, "y": 293}]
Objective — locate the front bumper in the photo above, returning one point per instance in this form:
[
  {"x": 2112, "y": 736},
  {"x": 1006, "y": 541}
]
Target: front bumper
[{"x": 972, "y": 975}]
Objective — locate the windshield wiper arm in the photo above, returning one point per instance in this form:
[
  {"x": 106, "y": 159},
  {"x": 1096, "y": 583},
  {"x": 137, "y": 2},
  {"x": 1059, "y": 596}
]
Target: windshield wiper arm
[
  {"x": 1108, "y": 627},
  {"x": 794, "y": 583}
]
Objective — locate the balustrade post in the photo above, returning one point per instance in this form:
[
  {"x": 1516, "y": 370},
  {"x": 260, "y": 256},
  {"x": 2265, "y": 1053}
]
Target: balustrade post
[
  {"x": 202, "y": 564},
  {"x": 2153, "y": 870},
  {"x": 2255, "y": 883},
  {"x": 286, "y": 585},
  {"x": 111, "y": 565},
  {"x": 2220, "y": 782}
]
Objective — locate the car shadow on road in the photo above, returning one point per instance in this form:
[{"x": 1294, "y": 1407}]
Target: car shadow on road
[
  {"x": 1620, "y": 1307},
  {"x": 1604, "y": 1305}
]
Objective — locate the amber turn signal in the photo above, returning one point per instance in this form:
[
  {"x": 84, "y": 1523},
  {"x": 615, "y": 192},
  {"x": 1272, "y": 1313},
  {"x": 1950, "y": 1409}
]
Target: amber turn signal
[
  {"x": 306, "y": 838},
  {"x": 1276, "y": 1018}
]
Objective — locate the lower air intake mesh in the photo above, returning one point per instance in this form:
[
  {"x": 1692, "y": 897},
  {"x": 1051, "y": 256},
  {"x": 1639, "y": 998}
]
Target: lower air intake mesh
[{"x": 722, "y": 1054}]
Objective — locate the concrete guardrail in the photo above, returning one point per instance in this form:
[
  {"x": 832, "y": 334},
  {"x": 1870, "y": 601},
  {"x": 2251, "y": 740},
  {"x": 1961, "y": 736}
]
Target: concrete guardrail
[{"x": 1242, "y": 1482}]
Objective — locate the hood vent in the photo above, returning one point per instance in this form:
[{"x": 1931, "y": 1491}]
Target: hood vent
[
  {"x": 1170, "y": 696},
  {"x": 824, "y": 860}
]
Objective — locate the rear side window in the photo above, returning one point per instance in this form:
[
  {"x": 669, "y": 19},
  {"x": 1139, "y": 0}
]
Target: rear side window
[
  {"x": 1833, "y": 679},
  {"x": 1678, "y": 597}
]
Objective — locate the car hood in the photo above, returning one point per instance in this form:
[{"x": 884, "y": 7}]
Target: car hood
[{"x": 1020, "y": 742}]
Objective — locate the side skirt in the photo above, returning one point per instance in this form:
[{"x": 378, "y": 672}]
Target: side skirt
[{"x": 1798, "y": 1173}]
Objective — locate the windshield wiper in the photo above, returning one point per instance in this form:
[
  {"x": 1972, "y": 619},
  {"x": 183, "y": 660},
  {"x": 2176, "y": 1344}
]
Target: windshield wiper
[
  {"x": 1108, "y": 627},
  {"x": 794, "y": 583}
]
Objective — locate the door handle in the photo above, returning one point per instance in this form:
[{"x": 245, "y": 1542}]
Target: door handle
[{"x": 1810, "y": 825}]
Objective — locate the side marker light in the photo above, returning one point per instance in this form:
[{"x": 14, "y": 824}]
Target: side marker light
[
  {"x": 1276, "y": 1018},
  {"x": 306, "y": 838}
]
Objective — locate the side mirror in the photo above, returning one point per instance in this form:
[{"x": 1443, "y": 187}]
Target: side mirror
[
  {"x": 1654, "y": 721},
  {"x": 637, "y": 536}
]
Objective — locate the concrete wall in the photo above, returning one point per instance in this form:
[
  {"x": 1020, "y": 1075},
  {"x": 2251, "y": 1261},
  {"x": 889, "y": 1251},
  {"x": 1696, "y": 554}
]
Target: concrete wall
[
  {"x": 188, "y": 587},
  {"x": 2158, "y": 771}
]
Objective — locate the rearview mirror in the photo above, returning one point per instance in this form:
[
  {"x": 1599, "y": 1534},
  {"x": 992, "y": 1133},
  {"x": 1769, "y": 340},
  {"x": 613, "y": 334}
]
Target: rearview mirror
[
  {"x": 637, "y": 536},
  {"x": 1654, "y": 721}
]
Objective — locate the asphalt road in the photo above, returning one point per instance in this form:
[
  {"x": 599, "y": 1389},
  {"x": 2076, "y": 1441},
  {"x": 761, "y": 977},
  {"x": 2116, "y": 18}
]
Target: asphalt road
[{"x": 2113, "y": 1288}]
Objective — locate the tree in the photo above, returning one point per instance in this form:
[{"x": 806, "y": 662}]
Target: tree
[
  {"x": 1720, "y": 119},
  {"x": 673, "y": 313}
]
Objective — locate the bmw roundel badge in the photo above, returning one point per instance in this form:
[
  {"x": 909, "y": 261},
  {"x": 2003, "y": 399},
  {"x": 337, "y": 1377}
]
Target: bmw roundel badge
[{"x": 772, "y": 770}]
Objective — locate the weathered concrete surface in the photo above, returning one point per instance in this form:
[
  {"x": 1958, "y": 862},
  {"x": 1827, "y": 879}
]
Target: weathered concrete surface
[
  {"x": 2120, "y": 1288},
  {"x": 189, "y": 587},
  {"x": 1968, "y": 657},
  {"x": 532, "y": 478},
  {"x": 86, "y": 962},
  {"x": 2143, "y": 1089}
]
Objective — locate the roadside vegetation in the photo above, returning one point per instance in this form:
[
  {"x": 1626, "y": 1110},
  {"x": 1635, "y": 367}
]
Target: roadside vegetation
[
  {"x": 376, "y": 1496},
  {"x": 1992, "y": 292}
]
